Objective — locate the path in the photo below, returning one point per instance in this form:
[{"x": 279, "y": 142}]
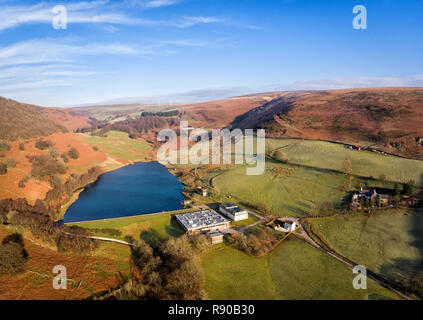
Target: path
[{"x": 351, "y": 264}]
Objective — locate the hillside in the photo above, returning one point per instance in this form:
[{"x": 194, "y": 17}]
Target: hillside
[
  {"x": 390, "y": 118},
  {"x": 211, "y": 114},
  {"x": 23, "y": 121},
  {"x": 68, "y": 118}
]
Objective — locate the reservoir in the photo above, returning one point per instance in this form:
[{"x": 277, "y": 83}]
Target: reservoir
[{"x": 136, "y": 189}]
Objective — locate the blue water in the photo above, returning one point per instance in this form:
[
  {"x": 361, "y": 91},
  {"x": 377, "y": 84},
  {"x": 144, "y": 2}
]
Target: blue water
[{"x": 133, "y": 190}]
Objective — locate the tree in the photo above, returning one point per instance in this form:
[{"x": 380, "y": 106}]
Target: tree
[
  {"x": 397, "y": 190},
  {"x": 407, "y": 189},
  {"x": 3, "y": 168},
  {"x": 12, "y": 254},
  {"x": 73, "y": 153},
  {"x": 54, "y": 153},
  {"x": 43, "y": 144},
  {"x": 281, "y": 156}
]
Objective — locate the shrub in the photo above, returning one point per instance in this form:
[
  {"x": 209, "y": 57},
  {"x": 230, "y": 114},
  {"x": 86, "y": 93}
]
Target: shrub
[
  {"x": 65, "y": 158},
  {"x": 43, "y": 144},
  {"x": 22, "y": 146},
  {"x": 10, "y": 163},
  {"x": 73, "y": 153},
  {"x": 12, "y": 259},
  {"x": 12, "y": 254},
  {"x": 257, "y": 242},
  {"x": 54, "y": 153},
  {"x": 279, "y": 155},
  {"x": 75, "y": 240},
  {"x": 3, "y": 168},
  {"x": 408, "y": 189},
  {"x": 44, "y": 166},
  {"x": 95, "y": 148}
]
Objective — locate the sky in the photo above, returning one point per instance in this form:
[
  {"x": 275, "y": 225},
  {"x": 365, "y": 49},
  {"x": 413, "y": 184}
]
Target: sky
[{"x": 169, "y": 51}]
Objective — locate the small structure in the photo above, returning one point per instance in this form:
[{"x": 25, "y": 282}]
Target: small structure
[
  {"x": 285, "y": 226},
  {"x": 382, "y": 200},
  {"x": 233, "y": 212},
  {"x": 410, "y": 201},
  {"x": 186, "y": 202},
  {"x": 204, "y": 191},
  {"x": 216, "y": 237},
  {"x": 202, "y": 221}
]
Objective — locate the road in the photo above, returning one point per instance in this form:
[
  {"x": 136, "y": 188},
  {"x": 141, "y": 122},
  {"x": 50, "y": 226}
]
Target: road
[
  {"x": 310, "y": 240},
  {"x": 351, "y": 264}
]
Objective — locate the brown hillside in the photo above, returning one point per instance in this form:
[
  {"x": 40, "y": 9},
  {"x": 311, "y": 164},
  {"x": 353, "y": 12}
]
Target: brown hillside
[
  {"x": 70, "y": 119},
  {"x": 221, "y": 113},
  {"x": 23, "y": 121},
  {"x": 388, "y": 117}
]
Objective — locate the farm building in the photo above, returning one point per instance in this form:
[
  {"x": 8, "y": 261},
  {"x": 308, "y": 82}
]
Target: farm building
[
  {"x": 216, "y": 237},
  {"x": 285, "y": 226},
  {"x": 233, "y": 212},
  {"x": 370, "y": 198},
  {"x": 202, "y": 221},
  {"x": 203, "y": 191}
]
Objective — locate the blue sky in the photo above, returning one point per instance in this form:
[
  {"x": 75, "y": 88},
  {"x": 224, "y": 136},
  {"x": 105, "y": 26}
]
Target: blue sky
[{"x": 194, "y": 50}]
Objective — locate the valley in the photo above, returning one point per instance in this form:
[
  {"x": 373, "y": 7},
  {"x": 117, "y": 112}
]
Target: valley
[{"x": 312, "y": 169}]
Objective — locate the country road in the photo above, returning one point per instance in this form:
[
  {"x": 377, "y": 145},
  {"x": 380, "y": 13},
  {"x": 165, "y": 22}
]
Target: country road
[
  {"x": 308, "y": 239},
  {"x": 351, "y": 265}
]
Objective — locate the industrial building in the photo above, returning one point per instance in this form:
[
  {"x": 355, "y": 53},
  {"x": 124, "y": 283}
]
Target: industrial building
[
  {"x": 233, "y": 212},
  {"x": 202, "y": 221}
]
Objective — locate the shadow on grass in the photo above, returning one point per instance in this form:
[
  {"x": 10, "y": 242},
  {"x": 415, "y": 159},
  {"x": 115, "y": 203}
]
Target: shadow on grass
[{"x": 404, "y": 271}]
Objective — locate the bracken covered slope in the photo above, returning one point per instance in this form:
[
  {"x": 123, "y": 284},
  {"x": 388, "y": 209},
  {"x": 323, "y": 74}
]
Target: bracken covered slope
[
  {"x": 391, "y": 118},
  {"x": 23, "y": 121}
]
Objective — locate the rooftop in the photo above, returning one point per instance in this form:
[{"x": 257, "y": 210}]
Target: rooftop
[{"x": 201, "y": 219}]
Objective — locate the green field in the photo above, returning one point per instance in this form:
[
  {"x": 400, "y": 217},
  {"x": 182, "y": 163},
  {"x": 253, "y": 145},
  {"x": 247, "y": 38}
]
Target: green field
[
  {"x": 293, "y": 195},
  {"x": 389, "y": 243},
  {"x": 120, "y": 146},
  {"x": 294, "y": 270},
  {"x": 243, "y": 223},
  {"x": 155, "y": 227},
  {"x": 328, "y": 155}
]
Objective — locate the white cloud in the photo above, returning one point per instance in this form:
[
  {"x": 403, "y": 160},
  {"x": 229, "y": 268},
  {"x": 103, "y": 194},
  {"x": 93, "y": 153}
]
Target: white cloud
[
  {"x": 52, "y": 50},
  {"x": 159, "y": 3},
  {"x": 353, "y": 82},
  {"x": 100, "y": 12}
]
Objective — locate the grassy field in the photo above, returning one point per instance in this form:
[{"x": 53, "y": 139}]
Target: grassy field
[
  {"x": 232, "y": 274},
  {"x": 389, "y": 243},
  {"x": 293, "y": 194},
  {"x": 243, "y": 223},
  {"x": 328, "y": 155},
  {"x": 120, "y": 146},
  {"x": 158, "y": 226},
  {"x": 293, "y": 271}
]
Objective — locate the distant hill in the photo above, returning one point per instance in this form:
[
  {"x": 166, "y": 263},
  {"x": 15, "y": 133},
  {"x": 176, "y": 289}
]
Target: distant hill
[
  {"x": 211, "y": 114},
  {"x": 388, "y": 117},
  {"x": 23, "y": 121}
]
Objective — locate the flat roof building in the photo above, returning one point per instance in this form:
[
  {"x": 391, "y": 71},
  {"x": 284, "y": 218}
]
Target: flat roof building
[
  {"x": 202, "y": 221},
  {"x": 216, "y": 237},
  {"x": 233, "y": 212}
]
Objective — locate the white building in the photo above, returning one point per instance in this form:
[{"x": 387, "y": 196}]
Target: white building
[
  {"x": 233, "y": 212},
  {"x": 286, "y": 226}
]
